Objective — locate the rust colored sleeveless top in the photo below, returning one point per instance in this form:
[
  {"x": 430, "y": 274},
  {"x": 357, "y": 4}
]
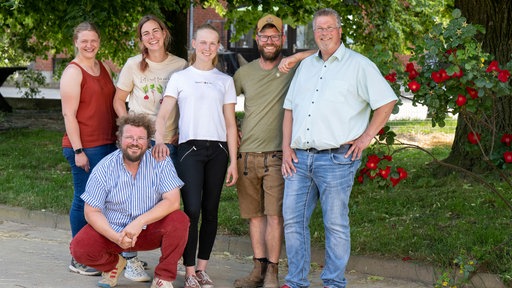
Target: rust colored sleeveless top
[{"x": 95, "y": 114}]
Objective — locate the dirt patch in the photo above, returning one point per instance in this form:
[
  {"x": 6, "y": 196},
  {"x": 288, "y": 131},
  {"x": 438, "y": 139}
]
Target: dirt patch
[
  {"x": 426, "y": 140},
  {"x": 32, "y": 119}
]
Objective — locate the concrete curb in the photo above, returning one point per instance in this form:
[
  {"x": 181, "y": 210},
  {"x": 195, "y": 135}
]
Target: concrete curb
[{"x": 241, "y": 246}]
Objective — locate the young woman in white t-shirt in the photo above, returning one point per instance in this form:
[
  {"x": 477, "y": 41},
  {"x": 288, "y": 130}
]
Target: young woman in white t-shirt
[{"x": 207, "y": 146}]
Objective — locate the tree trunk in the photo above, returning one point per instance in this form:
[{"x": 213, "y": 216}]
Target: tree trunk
[
  {"x": 495, "y": 16},
  {"x": 177, "y": 23}
]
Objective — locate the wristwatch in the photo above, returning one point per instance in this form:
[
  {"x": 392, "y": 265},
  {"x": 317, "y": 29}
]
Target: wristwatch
[{"x": 79, "y": 150}]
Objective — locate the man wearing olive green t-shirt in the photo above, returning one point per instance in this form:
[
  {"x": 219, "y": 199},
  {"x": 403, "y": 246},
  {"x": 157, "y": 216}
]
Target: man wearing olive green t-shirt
[{"x": 260, "y": 184}]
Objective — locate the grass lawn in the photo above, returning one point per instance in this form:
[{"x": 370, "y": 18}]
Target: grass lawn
[{"x": 426, "y": 218}]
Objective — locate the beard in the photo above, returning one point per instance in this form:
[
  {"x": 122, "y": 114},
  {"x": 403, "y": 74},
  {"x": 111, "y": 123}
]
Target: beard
[
  {"x": 133, "y": 157},
  {"x": 270, "y": 56}
]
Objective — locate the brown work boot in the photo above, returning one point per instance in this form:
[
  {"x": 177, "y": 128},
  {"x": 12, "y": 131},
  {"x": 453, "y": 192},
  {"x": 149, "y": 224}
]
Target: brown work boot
[
  {"x": 255, "y": 278},
  {"x": 271, "y": 277}
]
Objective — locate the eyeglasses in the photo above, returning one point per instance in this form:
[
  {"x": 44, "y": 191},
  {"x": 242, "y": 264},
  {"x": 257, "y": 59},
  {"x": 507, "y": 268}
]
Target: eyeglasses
[
  {"x": 328, "y": 29},
  {"x": 136, "y": 139},
  {"x": 264, "y": 38}
]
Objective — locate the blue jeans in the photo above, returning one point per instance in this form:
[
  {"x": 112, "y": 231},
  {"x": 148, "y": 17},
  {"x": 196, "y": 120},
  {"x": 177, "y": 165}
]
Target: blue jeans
[
  {"x": 326, "y": 175},
  {"x": 80, "y": 177}
]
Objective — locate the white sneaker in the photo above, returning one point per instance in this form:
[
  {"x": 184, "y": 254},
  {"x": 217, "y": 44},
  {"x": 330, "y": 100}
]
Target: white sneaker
[
  {"x": 159, "y": 283},
  {"x": 135, "y": 271}
]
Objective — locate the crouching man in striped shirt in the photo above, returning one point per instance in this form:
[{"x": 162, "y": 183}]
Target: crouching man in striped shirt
[{"x": 132, "y": 203}]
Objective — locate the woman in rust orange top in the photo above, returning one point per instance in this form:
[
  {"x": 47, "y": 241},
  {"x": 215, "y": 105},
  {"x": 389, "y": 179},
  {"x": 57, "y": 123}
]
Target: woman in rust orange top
[{"x": 87, "y": 92}]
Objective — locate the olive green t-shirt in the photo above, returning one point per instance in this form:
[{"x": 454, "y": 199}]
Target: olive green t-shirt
[{"x": 264, "y": 91}]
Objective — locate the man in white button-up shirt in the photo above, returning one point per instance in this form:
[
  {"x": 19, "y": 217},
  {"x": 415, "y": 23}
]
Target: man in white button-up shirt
[{"x": 326, "y": 127}]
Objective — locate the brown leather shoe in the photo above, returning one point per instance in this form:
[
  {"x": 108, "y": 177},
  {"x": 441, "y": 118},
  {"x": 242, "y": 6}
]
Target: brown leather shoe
[
  {"x": 271, "y": 277},
  {"x": 255, "y": 278}
]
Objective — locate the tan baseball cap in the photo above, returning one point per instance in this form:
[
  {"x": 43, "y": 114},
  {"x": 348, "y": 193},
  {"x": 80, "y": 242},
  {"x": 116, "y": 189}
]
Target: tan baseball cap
[{"x": 270, "y": 19}]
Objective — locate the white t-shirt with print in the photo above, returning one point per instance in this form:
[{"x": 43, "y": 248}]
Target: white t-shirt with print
[{"x": 201, "y": 96}]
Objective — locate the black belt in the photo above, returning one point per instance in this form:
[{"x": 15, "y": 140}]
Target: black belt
[{"x": 330, "y": 150}]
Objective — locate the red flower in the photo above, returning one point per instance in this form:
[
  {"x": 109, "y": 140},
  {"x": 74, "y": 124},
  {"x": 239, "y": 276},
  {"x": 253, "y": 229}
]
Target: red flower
[
  {"x": 472, "y": 92},
  {"x": 384, "y": 173},
  {"x": 373, "y": 161},
  {"x": 436, "y": 76},
  {"x": 360, "y": 179},
  {"x": 388, "y": 157},
  {"x": 444, "y": 75},
  {"x": 413, "y": 74},
  {"x": 414, "y": 86},
  {"x": 451, "y": 51},
  {"x": 474, "y": 137},
  {"x": 409, "y": 67},
  {"x": 394, "y": 181},
  {"x": 494, "y": 66},
  {"x": 146, "y": 97},
  {"x": 402, "y": 173},
  {"x": 506, "y": 139},
  {"x": 461, "y": 100},
  {"x": 507, "y": 156},
  {"x": 381, "y": 131},
  {"x": 458, "y": 74},
  {"x": 503, "y": 75},
  {"x": 391, "y": 77}
]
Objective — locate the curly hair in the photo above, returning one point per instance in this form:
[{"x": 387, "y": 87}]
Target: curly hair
[{"x": 137, "y": 120}]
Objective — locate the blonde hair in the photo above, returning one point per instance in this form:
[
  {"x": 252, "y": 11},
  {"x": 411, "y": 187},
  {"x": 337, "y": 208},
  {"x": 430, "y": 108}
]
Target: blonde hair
[
  {"x": 143, "y": 65},
  {"x": 194, "y": 54}
]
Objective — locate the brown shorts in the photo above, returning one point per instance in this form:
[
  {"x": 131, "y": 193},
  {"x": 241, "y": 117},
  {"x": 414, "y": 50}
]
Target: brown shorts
[{"x": 260, "y": 184}]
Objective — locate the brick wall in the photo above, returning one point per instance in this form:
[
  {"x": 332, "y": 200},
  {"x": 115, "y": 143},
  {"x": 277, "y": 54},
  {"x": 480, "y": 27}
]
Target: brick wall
[{"x": 208, "y": 15}]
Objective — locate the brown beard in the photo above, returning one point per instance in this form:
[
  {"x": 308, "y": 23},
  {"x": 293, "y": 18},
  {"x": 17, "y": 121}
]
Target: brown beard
[
  {"x": 132, "y": 158},
  {"x": 272, "y": 57}
]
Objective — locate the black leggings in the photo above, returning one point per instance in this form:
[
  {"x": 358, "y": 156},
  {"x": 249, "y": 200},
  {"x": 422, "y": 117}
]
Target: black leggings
[{"x": 202, "y": 166}]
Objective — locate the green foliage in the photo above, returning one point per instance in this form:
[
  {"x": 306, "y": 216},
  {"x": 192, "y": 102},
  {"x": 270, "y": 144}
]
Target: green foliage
[
  {"x": 30, "y": 80},
  {"x": 367, "y": 23},
  {"x": 451, "y": 74},
  {"x": 33, "y": 28}
]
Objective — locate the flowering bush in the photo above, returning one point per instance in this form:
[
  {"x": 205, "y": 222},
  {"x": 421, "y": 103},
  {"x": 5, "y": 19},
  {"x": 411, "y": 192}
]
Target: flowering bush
[{"x": 450, "y": 74}]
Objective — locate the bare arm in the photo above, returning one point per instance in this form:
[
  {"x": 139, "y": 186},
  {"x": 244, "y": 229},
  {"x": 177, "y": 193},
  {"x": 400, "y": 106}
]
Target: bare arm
[
  {"x": 70, "y": 98},
  {"x": 128, "y": 237},
  {"x": 379, "y": 119},
  {"x": 120, "y": 102},
  {"x": 287, "y": 63},
  {"x": 99, "y": 222},
  {"x": 232, "y": 136},
  {"x": 289, "y": 157},
  {"x": 160, "y": 151}
]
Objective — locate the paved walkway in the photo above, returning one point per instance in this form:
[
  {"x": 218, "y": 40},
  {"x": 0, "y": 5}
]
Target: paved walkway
[
  {"x": 35, "y": 256},
  {"x": 35, "y": 253}
]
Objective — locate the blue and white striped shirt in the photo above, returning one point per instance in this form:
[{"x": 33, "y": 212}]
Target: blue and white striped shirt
[{"x": 122, "y": 198}]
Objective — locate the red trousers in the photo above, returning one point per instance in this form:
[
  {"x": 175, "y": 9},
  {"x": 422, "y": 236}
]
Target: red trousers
[{"x": 170, "y": 234}]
